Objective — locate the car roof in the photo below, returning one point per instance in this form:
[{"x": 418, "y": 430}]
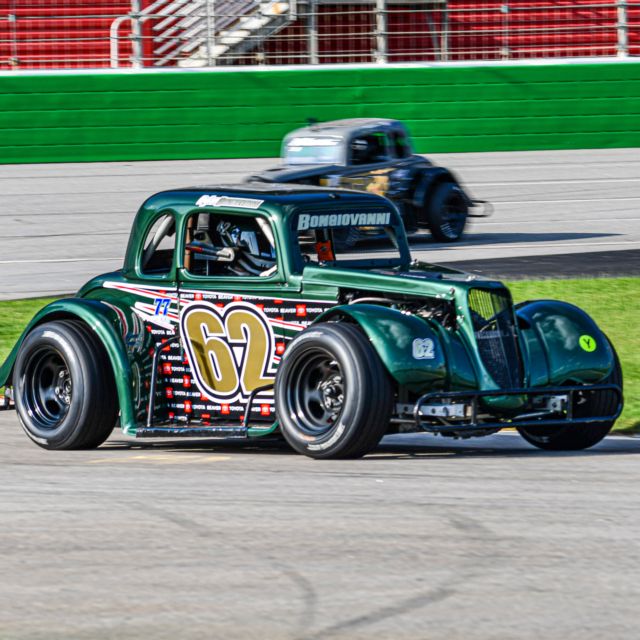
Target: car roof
[
  {"x": 263, "y": 188},
  {"x": 279, "y": 201},
  {"x": 343, "y": 128},
  {"x": 268, "y": 193}
]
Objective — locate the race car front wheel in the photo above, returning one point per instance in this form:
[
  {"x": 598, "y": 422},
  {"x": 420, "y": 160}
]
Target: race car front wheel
[
  {"x": 447, "y": 212},
  {"x": 590, "y": 403},
  {"x": 333, "y": 395},
  {"x": 64, "y": 390}
]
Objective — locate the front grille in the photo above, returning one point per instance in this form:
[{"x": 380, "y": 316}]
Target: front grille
[{"x": 492, "y": 318}]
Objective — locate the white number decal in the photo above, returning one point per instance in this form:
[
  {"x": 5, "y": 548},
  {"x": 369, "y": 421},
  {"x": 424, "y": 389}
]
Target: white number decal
[{"x": 424, "y": 349}]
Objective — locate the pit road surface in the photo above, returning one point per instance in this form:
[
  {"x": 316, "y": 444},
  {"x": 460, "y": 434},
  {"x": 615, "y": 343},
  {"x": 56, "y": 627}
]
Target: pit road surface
[
  {"x": 61, "y": 224},
  {"x": 427, "y": 538}
]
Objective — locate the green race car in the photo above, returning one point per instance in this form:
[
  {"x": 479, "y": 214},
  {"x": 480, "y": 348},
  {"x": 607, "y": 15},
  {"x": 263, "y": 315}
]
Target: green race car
[{"x": 237, "y": 315}]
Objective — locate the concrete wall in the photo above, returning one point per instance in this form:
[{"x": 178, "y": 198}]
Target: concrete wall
[{"x": 232, "y": 114}]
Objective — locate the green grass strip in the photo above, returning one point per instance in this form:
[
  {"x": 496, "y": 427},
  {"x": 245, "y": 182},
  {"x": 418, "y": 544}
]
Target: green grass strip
[
  {"x": 612, "y": 302},
  {"x": 14, "y": 316}
]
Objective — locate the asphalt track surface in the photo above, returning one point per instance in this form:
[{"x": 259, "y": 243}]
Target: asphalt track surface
[
  {"x": 60, "y": 224},
  {"x": 426, "y": 538}
]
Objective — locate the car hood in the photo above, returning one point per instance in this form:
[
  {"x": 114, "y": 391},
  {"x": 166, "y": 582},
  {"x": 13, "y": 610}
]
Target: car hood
[
  {"x": 285, "y": 173},
  {"x": 420, "y": 279}
]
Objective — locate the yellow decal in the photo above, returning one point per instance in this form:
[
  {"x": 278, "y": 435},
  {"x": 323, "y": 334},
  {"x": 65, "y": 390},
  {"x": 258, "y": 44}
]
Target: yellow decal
[
  {"x": 588, "y": 343},
  {"x": 379, "y": 185},
  {"x": 231, "y": 350},
  {"x": 376, "y": 181}
]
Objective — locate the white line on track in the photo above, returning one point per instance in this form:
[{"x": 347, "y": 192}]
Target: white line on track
[
  {"x": 59, "y": 260},
  {"x": 540, "y": 182},
  {"x": 538, "y": 223},
  {"x": 534, "y": 202},
  {"x": 76, "y": 193},
  {"x": 619, "y": 244}
]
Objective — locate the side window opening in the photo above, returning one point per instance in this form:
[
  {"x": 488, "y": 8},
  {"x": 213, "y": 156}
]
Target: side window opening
[
  {"x": 400, "y": 145},
  {"x": 159, "y": 247},
  {"x": 222, "y": 245},
  {"x": 369, "y": 149}
]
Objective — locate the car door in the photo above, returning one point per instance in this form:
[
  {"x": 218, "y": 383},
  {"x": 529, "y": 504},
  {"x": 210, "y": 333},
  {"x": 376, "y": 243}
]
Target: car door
[
  {"x": 370, "y": 159},
  {"x": 237, "y": 314}
]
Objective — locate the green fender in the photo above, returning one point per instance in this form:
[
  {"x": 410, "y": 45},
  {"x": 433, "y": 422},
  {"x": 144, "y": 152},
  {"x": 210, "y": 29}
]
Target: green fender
[
  {"x": 408, "y": 347},
  {"x": 103, "y": 322},
  {"x": 563, "y": 344}
]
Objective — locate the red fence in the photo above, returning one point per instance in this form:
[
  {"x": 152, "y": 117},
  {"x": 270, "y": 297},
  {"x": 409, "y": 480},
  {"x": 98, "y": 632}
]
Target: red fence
[
  {"x": 460, "y": 30},
  {"x": 76, "y": 33},
  {"x": 66, "y": 34}
]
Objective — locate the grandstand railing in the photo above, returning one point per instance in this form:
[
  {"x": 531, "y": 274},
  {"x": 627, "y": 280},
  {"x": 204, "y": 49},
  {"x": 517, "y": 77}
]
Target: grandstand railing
[
  {"x": 165, "y": 33},
  {"x": 199, "y": 32}
]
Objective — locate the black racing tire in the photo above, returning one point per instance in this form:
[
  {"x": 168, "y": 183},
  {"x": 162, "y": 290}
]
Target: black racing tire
[
  {"x": 64, "y": 388},
  {"x": 567, "y": 438},
  {"x": 333, "y": 395},
  {"x": 447, "y": 212}
]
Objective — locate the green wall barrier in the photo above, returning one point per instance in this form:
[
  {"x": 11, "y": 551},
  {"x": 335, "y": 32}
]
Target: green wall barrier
[{"x": 71, "y": 117}]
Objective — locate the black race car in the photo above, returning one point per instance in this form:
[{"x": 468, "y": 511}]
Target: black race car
[{"x": 376, "y": 155}]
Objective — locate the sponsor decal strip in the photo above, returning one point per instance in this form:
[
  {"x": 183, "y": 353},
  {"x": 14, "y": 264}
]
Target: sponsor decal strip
[
  {"x": 150, "y": 292},
  {"x": 287, "y": 325},
  {"x": 228, "y": 201},
  {"x": 313, "y": 221},
  {"x": 165, "y": 292}
]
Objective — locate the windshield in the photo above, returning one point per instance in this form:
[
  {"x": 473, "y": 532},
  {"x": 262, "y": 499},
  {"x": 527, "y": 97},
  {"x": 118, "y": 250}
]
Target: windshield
[
  {"x": 362, "y": 238},
  {"x": 310, "y": 150}
]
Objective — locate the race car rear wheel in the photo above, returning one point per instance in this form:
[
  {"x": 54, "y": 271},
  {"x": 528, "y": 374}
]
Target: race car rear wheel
[
  {"x": 447, "y": 212},
  {"x": 333, "y": 395},
  {"x": 590, "y": 403},
  {"x": 64, "y": 390}
]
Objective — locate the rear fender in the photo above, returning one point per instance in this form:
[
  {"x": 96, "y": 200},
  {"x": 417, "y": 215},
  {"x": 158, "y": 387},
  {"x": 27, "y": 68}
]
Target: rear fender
[
  {"x": 104, "y": 322},
  {"x": 428, "y": 181},
  {"x": 410, "y": 349},
  {"x": 563, "y": 344}
]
